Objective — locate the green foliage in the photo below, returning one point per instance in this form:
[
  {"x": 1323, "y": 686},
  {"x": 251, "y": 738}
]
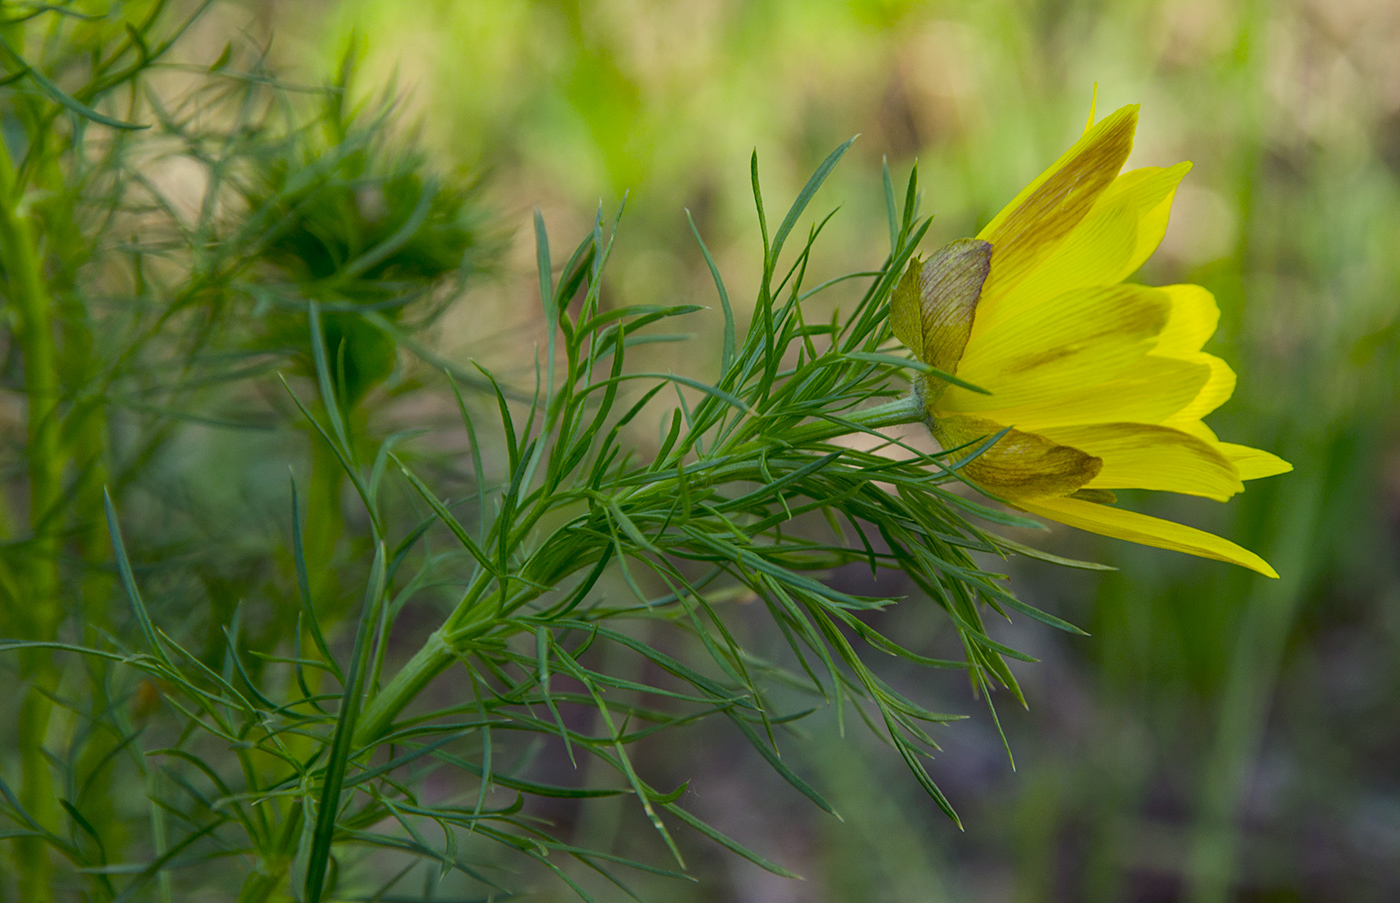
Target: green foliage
[
  {"x": 358, "y": 225},
  {"x": 244, "y": 715},
  {"x": 605, "y": 606}
]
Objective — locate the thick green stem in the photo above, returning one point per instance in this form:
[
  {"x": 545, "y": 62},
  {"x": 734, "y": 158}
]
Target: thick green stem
[
  {"x": 428, "y": 662},
  {"x": 88, "y": 425},
  {"x": 894, "y": 413},
  {"x": 29, "y": 294}
]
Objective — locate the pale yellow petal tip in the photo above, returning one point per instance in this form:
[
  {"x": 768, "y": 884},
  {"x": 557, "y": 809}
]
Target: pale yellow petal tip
[{"x": 1254, "y": 463}]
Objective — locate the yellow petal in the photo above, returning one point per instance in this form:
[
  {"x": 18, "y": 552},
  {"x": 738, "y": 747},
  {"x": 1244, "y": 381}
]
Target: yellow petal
[
  {"x": 1043, "y": 214},
  {"x": 1145, "y": 456},
  {"x": 1121, "y": 231},
  {"x": 1253, "y": 463},
  {"x": 1106, "y": 132},
  {"x": 1193, "y": 320},
  {"x": 1153, "y": 224},
  {"x": 1019, "y": 464},
  {"x": 1148, "y": 531},
  {"x": 1216, "y": 391},
  {"x": 1197, "y": 429},
  {"x": 1083, "y": 337},
  {"x": 1150, "y": 391}
]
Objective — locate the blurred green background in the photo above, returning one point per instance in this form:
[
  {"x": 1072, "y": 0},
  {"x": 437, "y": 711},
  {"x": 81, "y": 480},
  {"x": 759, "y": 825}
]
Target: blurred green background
[{"x": 1219, "y": 736}]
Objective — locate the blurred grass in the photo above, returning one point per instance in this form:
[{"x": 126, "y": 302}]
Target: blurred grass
[{"x": 1218, "y": 737}]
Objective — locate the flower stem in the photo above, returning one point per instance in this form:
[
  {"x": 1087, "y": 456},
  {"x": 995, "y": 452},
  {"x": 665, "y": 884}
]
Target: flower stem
[{"x": 905, "y": 409}]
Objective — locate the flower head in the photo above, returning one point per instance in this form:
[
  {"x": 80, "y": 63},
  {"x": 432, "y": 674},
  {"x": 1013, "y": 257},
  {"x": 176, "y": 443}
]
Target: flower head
[{"x": 1097, "y": 384}]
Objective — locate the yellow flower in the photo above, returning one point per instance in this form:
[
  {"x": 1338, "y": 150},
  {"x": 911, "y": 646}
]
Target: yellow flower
[{"x": 1099, "y": 384}]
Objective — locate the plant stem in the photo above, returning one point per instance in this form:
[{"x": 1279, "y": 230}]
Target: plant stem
[
  {"x": 325, "y": 524},
  {"x": 29, "y": 295},
  {"x": 428, "y": 662},
  {"x": 902, "y": 410},
  {"x": 470, "y": 617}
]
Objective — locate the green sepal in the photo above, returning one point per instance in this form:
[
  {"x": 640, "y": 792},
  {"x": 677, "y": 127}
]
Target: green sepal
[
  {"x": 906, "y": 316},
  {"x": 1020, "y": 464},
  {"x": 933, "y": 306}
]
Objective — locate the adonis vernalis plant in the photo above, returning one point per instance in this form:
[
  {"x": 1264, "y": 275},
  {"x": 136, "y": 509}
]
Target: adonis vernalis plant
[
  {"x": 211, "y": 717},
  {"x": 1089, "y": 384}
]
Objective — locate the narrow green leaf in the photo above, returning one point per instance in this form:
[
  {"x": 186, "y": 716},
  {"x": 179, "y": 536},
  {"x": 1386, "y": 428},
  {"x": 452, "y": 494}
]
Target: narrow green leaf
[
  {"x": 128, "y": 582},
  {"x": 1028, "y": 552},
  {"x": 891, "y": 211},
  {"x": 304, "y": 589},
  {"x": 543, "y": 644},
  {"x": 329, "y": 396},
  {"x": 911, "y": 199},
  {"x": 771, "y": 756},
  {"x": 727, "y": 346},
  {"x": 65, "y": 99},
  {"x": 328, "y": 807},
  {"x": 448, "y": 520},
  {"x": 729, "y": 843},
  {"x": 912, "y": 364},
  {"x": 762, "y": 217},
  {"x": 805, "y": 196}
]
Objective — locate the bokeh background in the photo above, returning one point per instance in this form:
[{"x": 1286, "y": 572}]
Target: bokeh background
[{"x": 1217, "y": 736}]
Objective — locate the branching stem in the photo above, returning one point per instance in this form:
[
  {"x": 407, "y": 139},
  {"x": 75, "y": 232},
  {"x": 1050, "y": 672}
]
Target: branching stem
[{"x": 474, "y": 615}]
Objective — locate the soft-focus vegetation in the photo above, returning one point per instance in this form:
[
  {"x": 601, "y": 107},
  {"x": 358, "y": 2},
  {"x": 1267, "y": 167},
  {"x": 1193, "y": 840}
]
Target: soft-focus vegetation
[{"x": 1216, "y": 737}]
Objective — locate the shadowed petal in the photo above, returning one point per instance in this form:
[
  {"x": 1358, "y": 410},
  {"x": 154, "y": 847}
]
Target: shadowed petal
[
  {"x": 1146, "y": 456},
  {"x": 1150, "y": 391},
  {"x": 1083, "y": 337}
]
